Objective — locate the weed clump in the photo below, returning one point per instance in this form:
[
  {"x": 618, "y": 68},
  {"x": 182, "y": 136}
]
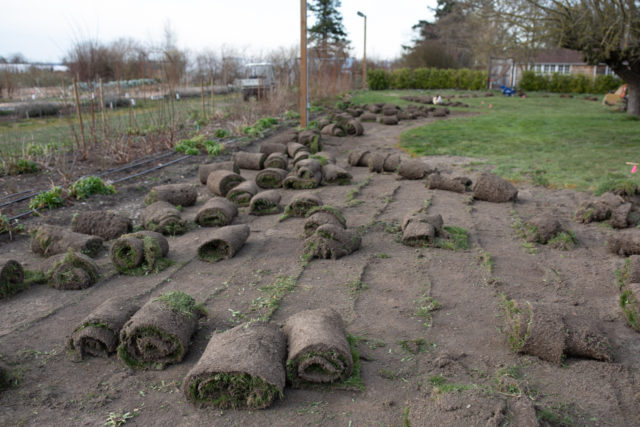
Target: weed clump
[{"x": 85, "y": 187}]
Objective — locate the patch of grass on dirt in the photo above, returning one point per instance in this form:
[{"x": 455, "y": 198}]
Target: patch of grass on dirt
[
  {"x": 441, "y": 386},
  {"x": 520, "y": 136},
  {"x": 415, "y": 346},
  {"x": 85, "y": 187},
  {"x": 622, "y": 274},
  {"x": 356, "y": 286},
  {"x": 565, "y": 241},
  {"x": 486, "y": 260},
  {"x": 351, "y": 200},
  {"x": 458, "y": 240},
  {"x": 50, "y": 199},
  {"x": 273, "y": 295},
  {"x": 425, "y": 306},
  {"x": 20, "y": 167},
  {"x": 558, "y": 414},
  {"x": 116, "y": 419}
]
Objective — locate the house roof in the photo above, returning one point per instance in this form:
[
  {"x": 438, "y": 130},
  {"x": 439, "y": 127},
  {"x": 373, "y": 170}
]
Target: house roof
[{"x": 559, "y": 56}]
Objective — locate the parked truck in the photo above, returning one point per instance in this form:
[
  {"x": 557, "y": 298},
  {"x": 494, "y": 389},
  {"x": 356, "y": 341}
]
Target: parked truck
[{"x": 258, "y": 81}]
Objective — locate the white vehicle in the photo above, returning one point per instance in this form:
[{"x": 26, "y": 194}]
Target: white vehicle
[{"x": 258, "y": 81}]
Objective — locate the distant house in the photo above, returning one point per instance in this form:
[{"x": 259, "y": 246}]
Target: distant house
[
  {"x": 23, "y": 68},
  {"x": 507, "y": 72}
]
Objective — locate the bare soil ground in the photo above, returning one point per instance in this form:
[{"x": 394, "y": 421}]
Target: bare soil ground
[{"x": 449, "y": 366}]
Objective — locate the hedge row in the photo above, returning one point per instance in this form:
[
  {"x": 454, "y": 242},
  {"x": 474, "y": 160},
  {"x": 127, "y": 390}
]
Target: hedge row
[
  {"x": 426, "y": 78},
  {"x": 563, "y": 83}
]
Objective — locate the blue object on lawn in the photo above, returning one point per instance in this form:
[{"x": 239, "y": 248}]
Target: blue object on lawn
[{"x": 507, "y": 91}]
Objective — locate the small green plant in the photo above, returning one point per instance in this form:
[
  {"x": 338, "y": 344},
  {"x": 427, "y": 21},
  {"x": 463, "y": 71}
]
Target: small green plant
[
  {"x": 425, "y": 306},
  {"x": 486, "y": 260},
  {"x": 221, "y": 133},
  {"x": 383, "y": 256},
  {"x": 273, "y": 295},
  {"x": 22, "y": 166},
  {"x": 213, "y": 148},
  {"x": 291, "y": 115},
  {"x": 7, "y": 227},
  {"x": 458, "y": 239},
  {"x": 116, "y": 419},
  {"x": 415, "y": 346},
  {"x": 441, "y": 386},
  {"x": 556, "y": 415},
  {"x": 85, "y": 187},
  {"x": 48, "y": 199}
]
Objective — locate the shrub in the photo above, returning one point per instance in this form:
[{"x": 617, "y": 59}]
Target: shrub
[
  {"x": 378, "y": 79},
  {"x": 22, "y": 166},
  {"x": 562, "y": 83},
  {"x": 401, "y": 79},
  {"x": 48, "y": 199},
  {"x": 85, "y": 187}
]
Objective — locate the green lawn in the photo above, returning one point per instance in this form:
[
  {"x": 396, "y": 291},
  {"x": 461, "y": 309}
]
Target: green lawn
[{"x": 552, "y": 141}]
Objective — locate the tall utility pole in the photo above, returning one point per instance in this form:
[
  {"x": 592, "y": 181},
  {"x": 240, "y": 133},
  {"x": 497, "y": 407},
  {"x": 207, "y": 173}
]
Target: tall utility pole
[
  {"x": 364, "y": 56},
  {"x": 303, "y": 64}
]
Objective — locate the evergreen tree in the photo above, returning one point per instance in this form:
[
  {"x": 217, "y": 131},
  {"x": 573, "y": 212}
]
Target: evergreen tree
[{"x": 327, "y": 36}]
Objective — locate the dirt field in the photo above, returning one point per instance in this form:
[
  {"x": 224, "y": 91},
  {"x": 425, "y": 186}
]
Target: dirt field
[{"x": 420, "y": 364}]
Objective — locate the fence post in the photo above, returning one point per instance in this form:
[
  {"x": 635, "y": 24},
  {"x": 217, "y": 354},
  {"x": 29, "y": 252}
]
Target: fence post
[
  {"x": 104, "y": 121},
  {"x": 204, "y": 112}
]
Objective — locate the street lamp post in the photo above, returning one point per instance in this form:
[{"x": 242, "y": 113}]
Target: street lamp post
[{"x": 364, "y": 56}]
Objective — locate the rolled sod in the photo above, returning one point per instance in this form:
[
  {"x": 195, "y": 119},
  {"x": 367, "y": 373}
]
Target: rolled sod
[
  {"x": 301, "y": 155},
  {"x": 293, "y": 148},
  {"x": 388, "y": 120},
  {"x": 140, "y": 253},
  {"x": 330, "y": 241},
  {"x": 176, "y": 194},
  {"x": 308, "y": 169},
  {"x": 48, "y": 240},
  {"x": 11, "y": 278},
  {"x": 216, "y": 212},
  {"x": 321, "y": 215},
  {"x": 318, "y": 350},
  {"x": 276, "y": 160},
  {"x": 376, "y": 162},
  {"x": 333, "y": 129},
  {"x": 252, "y": 161},
  {"x": 621, "y": 216},
  {"x": 302, "y": 203},
  {"x": 242, "y": 193},
  {"x": 164, "y": 218},
  {"x": 625, "y": 242},
  {"x": 205, "y": 170},
  {"x": 439, "y": 182},
  {"x": 159, "y": 333},
  {"x": 271, "y": 178},
  {"x": 413, "y": 169},
  {"x": 419, "y": 229},
  {"x": 273, "y": 147},
  {"x": 294, "y": 182},
  {"x": 220, "y": 182},
  {"x": 541, "y": 228},
  {"x": 72, "y": 271},
  {"x": 368, "y": 116},
  {"x": 492, "y": 188},
  {"x": 335, "y": 175},
  {"x": 265, "y": 203},
  {"x": 440, "y": 112},
  {"x": 224, "y": 243},
  {"x": 309, "y": 137},
  {"x": 549, "y": 333},
  {"x": 354, "y": 128},
  {"x": 241, "y": 368},
  {"x": 98, "y": 334},
  {"x": 392, "y": 163},
  {"x": 105, "y": 224},
  {"x": 359, "y": 158}
]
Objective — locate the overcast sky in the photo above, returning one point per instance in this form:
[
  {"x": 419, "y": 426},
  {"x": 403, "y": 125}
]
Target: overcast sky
[{"x": 44, "y": 30}]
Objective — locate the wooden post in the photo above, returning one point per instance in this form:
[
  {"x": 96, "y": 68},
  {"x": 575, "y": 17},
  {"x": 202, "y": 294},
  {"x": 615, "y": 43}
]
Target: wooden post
[
  {"x": 204, "y": 112},
  {"x": 364, "y": 59},
  {"x": 79, "y": 113},
  {"x": 303, "y": 64},
  {"x": 104, "y": 120}
]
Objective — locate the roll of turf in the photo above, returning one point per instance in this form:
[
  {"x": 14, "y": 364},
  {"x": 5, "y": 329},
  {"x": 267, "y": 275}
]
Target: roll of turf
[
  {"x": 50, "y": 240},
  {"x": 205, "y": 170},
  {"x": 98, "y": 334},
  {"x": 318, "y": 350},
  {"x": 335, "y": 175},
  {"x": 220, "y": 182},
  {"x": 331, "y": 241},
  {"x": 242, "y": 193},
  {"x": 252, "y": 161},
  {"x": 271, "y": 178},
  {"x": 159, "y": 333},
  {"x": 265, "y": 203},
  {"x": 241, "y": 368},
  {"x": 224, "y": 243},
  {"x": 72, "y": 271},
  {"x": 321, "y": 215},
  {"x": 11, "y": 278},
  {"x": 104, "y": 224},
  {"x": 276, "y": 160},
  {"x": 216, "y": 212},
  {"x": 164, "y": 218},
  {"x": 140, "y": 253},
  {"x": 302, "y": 203},
  {"x": 176, "y": 194}
]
